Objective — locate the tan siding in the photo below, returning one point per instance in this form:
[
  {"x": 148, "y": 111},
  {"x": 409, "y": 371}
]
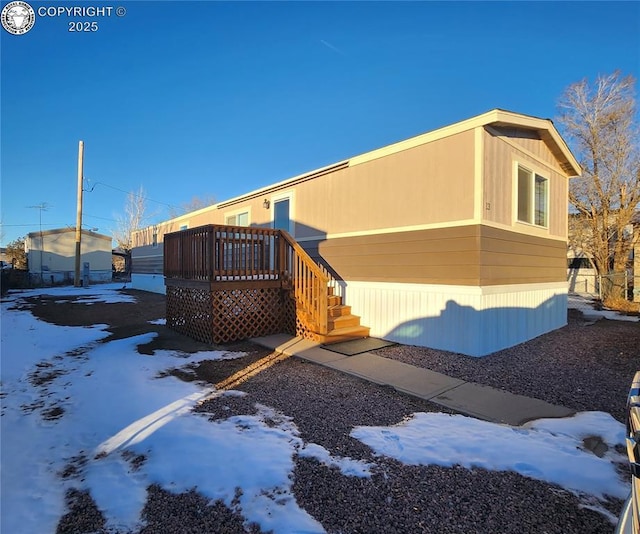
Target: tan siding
[
  {"x": 142, "y": 237},
  {"x": 531, "y": 142},
  {"x": 432, "y": 183},
  {"x": 258, "y": 216},
  {"x": 498, "y": 190},
  {"x": 428, "y": 184},
  {"x": 468, "y": 255},
  {"x": 499, "y": 187},
  {"x": 511, "y": 258},
  {"x": 443, "y": 256}
]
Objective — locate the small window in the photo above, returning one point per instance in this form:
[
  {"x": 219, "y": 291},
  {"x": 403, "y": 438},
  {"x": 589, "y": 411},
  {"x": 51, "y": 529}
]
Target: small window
[
  {"x": 154, "y": 239},
  {"x": 184, "y": 227},
  {"x": 533, "y": 197},
  {"x": 238, "y": 219}
]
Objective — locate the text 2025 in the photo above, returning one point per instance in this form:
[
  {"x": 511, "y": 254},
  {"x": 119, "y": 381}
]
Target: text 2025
[{"x": 81, "y": 26}]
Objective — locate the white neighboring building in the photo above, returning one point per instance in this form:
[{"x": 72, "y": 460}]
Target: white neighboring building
[
  {"x": 52, "y": 255},
  {"x": 582, "y": 277}
]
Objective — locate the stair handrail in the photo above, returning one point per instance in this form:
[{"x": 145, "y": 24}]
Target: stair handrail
[{"x": 309, "y": 284}]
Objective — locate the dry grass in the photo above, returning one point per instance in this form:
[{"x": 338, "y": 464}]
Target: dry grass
[{"x": 622, "y": 305}]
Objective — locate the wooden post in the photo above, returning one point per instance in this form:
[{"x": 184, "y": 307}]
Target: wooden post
[
  {"x": 282, "y": 260},
  {"x": 77, "y": 281}
]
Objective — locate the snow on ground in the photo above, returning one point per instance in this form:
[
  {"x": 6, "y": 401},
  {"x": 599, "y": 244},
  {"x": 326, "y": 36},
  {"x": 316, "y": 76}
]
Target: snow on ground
[
  {"x": 547, "y": 449},
  {"x": 81, "y": 413},
  {"x": 107, "y": 406},
  {"x": 584, "y": 303}
]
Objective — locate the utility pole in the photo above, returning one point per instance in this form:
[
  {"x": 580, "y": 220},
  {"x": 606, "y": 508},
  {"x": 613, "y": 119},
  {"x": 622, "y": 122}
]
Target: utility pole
[{"x": 77, "y": 282}]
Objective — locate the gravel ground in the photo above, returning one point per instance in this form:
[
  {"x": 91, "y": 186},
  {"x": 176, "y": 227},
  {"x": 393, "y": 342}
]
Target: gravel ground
[
  {"x": 583, "y": 367},
  {"x": 402, "y": 499}
]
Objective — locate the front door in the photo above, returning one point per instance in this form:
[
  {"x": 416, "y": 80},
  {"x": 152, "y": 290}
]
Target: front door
[{"x": 281, "y": 217}]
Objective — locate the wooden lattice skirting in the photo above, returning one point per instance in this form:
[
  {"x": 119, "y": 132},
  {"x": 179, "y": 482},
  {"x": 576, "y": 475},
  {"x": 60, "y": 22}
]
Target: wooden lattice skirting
[{"x": 225, "y": 315}]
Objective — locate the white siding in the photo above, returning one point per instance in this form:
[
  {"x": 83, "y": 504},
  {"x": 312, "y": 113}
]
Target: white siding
[{"x": 475, "y": 321}]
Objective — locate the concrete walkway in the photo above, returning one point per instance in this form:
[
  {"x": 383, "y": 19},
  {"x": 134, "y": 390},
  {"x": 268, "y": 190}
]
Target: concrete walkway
[{"x": 479, "y": 401}]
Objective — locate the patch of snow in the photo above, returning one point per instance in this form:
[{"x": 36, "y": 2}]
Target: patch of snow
[
  {"x": 347, "y": 466},
  {"x": 113, "y": 406},
  {"x": 548, "y": 449},
  {"x": 585, "y": 305}
]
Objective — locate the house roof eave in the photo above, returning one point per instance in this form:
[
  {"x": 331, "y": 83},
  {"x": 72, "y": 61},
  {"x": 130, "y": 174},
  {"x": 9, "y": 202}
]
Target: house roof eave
[
  {"x": 495, "y": 117},
  {"x": 548, "y": 133},
  {"x": 55, "y": 231}
]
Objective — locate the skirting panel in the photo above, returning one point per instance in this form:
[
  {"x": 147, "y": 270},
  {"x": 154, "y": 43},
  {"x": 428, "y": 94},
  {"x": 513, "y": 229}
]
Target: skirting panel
[
  {"x": 227, "y": 315},
  {"x": 475, "y": 321},
  {"x": 154, "y": 283}
]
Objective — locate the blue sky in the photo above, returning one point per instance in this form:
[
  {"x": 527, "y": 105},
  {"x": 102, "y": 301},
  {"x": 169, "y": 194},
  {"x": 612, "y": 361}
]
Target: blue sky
[{"x": 214, "y": 99}]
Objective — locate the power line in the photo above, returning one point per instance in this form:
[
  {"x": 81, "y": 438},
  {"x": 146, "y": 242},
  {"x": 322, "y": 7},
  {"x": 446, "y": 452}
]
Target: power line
[
  {"x": 129, "y": 192},
  {"x": 44, "y": 206}
]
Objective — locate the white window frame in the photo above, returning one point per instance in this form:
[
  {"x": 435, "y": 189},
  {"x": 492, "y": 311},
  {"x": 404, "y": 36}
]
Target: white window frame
[
  {"x": 235, "y": 214},
  {"x": 533, "y": 173}
]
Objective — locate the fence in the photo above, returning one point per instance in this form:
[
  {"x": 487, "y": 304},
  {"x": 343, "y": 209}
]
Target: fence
[{"x": 624, "y": 285}]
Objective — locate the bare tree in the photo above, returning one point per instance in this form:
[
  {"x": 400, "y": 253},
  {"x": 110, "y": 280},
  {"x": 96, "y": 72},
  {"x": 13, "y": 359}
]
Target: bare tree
[
  {"x": 600, "y": 122},
  {"x": 132, "y": 219}
]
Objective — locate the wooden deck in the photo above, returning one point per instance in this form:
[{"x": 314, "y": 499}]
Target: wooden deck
[{"x": 226, "y": 283}]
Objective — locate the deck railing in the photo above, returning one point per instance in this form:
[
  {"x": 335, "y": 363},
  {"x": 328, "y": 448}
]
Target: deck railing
[
  {"x": 219, "y": 254},
  {"x": 309, "y": 283},
  {"x": 222, "y": 253}
]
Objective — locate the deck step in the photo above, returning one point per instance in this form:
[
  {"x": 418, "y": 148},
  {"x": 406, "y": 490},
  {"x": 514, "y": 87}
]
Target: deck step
[
  {"x": 345, "y": 334},
  {"x": 339, "y": 310},
  {"x": 343, "y": 321},
  {"x": 334, "y": 300}
]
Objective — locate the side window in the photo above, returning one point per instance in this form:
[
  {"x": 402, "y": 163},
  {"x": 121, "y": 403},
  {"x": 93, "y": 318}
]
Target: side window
[{"x": 533, "y": 197}]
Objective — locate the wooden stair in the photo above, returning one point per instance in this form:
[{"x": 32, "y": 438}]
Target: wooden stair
[{"x": 342, "y": 324}]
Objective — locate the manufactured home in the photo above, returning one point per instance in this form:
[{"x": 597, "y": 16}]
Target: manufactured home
[
  {"x": 455, "y": 239},
  {"x": 51, "y": 256}
]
